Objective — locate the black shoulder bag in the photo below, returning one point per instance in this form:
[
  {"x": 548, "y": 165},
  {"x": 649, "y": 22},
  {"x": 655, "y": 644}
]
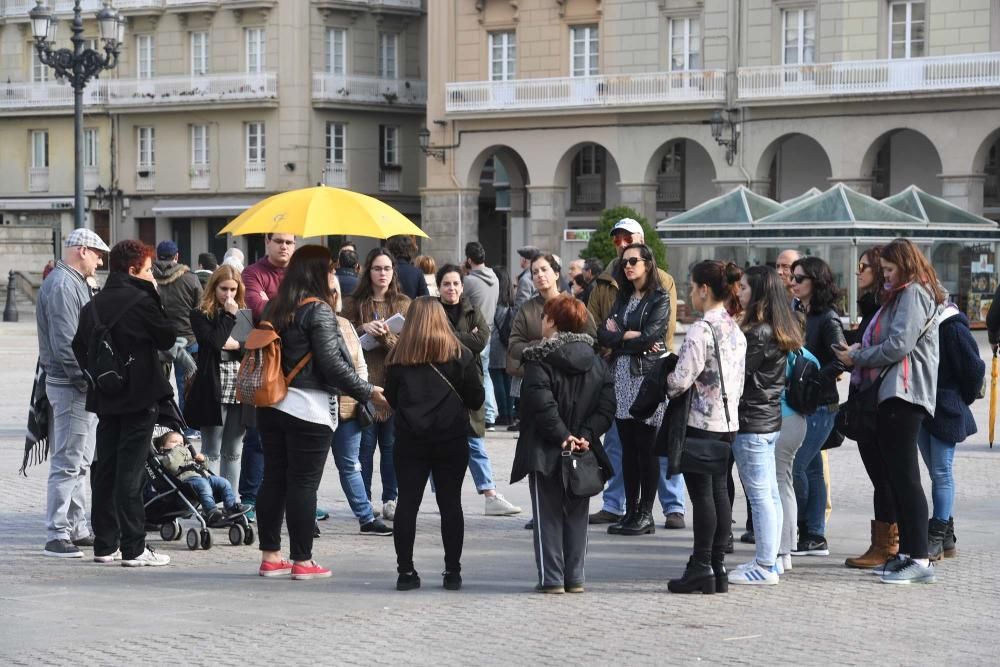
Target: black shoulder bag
[{"x": 707, "y": 456}]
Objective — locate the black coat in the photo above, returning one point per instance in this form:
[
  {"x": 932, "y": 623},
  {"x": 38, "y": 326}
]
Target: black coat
[
  {"x": 314, "y": 329},
  {"x": 651, "y": 318},
  {"x": 764, "y": 380},
  {"x": 867, "y": 306},
  {"x": 411, "y": 279},
  {"x": 142, "y": 330},
  {"x": 567, "y": 390},
  {"x": 472, "y": 332},
  {"x": 823, "y": 330},
  {"x": 426, "y": 407},
  {"x": 348, "y": 279},
  {"x": 203, "y": 404}
]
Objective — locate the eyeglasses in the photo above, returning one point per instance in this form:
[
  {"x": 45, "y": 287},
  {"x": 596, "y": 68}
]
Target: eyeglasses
[
  {"x": 282, "y": 242},
  {"x": 382, "y": 269},
  {"x": 799, "y": 278},
  {"x": 863, "y": 266},
  {"x": 632, "y": 261}
]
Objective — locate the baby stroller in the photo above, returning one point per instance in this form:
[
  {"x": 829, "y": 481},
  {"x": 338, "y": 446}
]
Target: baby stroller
[{"x": 172, "y": 506}]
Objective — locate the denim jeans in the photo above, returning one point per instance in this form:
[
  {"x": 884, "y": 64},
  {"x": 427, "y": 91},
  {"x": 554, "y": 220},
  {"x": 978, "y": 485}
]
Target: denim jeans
[
  {"x": 383, "y": 435},
  {"x": 72, "y": 439},
  {"x": 346, "y": 446},
  {"x": 501, "y": 392},
  {"x": 939, "y": 456},
  {"x": 671, "y": 491},
  {"x": 212, "y": 489},
  {"x": 179, "y": 377},
  {"x": 479, "y": 465},
  {"x": 810, "y": 486},
  {"x": 491, "y": 400},
  {"x": 754, "y": 454},
  {"x": 225, "y": 443},
  {"x": 251, "y": 466}
]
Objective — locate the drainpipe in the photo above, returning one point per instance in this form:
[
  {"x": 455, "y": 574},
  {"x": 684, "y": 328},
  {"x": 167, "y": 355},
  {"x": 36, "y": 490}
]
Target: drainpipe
[{"x": 735, "y": 89}]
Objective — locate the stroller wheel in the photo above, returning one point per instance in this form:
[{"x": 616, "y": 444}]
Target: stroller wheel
[
  {"x": 206, "y": 540},
  {"x": 192, "y": 539},
  {"x": 167, "y": 532},
  {"x": 235, "y": 534},
  {"x": 178, "y": 531},
  {"x": 248, "y": 540}
]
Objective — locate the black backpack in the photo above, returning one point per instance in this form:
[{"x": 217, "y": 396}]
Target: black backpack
[
  {"x": 503, "y": 327},
  {"x": 106, "y": 371},
  {"x": 802, "y": 392}
]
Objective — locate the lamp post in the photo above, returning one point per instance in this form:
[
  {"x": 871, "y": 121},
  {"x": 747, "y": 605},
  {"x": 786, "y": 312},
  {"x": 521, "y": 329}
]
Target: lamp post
[
  {"x": 77, "y": 66},
  {"x": 718, "y": 125}
]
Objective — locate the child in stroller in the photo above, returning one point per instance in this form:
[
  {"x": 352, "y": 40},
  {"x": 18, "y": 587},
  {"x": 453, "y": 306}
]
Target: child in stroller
[{"x": 180, "y": 460}]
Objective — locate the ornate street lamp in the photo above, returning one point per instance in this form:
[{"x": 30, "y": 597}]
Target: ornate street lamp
[
  {"x": 718, "y": 124},
  {"x": 77, "y": 66}
]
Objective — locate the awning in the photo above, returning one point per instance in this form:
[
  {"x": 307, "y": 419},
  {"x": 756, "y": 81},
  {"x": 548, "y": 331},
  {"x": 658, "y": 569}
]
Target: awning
[
  {"x": 37, "y": 204},
  {"x": 202, "y": 208}
]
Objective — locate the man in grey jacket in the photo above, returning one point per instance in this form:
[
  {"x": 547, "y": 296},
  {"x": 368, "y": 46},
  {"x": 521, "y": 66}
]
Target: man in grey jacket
[
  {"x": 72, "y": 430},
  {"x": 525, "y": 285},
  {"x": 482, "y": 289}
]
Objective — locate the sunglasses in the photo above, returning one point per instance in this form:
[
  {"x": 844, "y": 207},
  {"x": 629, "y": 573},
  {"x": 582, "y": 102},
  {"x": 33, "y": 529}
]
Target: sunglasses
[
  {"x": 632, "y": 261},
  {"x": 622, "y": 238},
  {"x": 798, "y": 278},
  {"x": 863, "y": 266}
]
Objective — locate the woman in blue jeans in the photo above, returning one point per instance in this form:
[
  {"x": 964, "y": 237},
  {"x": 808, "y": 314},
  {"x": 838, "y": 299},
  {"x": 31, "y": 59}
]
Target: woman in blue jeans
[
  {"x": 772, "y": 332},
  {"x": 813, "y": 286}
]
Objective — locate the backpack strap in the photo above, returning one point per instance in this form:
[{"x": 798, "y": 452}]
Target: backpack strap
[
  {"x": 114, "y": 320},
  {"x": 309, "y": 355}
]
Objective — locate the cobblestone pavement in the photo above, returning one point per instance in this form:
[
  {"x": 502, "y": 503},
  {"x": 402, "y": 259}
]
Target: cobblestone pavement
[{"x": 209, "y": 607}]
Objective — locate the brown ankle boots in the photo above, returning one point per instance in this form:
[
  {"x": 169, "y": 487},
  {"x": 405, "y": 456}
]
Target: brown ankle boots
[{"x": 885, "y": 543}]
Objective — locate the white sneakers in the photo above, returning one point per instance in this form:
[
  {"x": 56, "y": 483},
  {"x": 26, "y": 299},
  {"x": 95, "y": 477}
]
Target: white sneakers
[
  {"x": 753, "y": 573},
  {"x": 110, "y": 558},
  {"x": 499, "y": 506},
  {"x": 147, "y": 558},
  {"x": 389, "y": 510}
]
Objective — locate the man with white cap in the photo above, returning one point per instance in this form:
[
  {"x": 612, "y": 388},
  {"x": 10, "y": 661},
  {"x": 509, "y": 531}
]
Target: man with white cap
[
  {"x": 600, "y": 304},
  {"x": 72, "y": 430}
]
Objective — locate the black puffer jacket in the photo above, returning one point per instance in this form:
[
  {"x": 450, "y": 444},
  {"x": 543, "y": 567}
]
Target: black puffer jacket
[
  {"x": 314, "y": 329},
  {"x": 867, "y": 306},
  {"x": 823, "y": 330},
  {"x": 650, "y": 318},
  {"x": 760, "y": 404},
  {"x": 567, "y": 390}
]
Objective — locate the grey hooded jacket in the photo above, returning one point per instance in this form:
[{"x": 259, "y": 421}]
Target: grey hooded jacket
[
  {"x": 62, "y": 296},
  {"x": 482, "y": 290},
  {"x": 912, "y": 357}
]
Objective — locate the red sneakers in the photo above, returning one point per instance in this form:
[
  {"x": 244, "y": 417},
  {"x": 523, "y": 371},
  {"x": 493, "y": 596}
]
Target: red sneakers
[
  {"x": 310, "y": 570},
  {"x": 275, "y": 569}
]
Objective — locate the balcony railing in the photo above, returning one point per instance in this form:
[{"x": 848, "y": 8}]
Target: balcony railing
[
  {"x": 91, "y": 178},
  {"x": 389, "y": 179},
  {"x": 145, "y": 178},
  {"x": 38, "y": 179},
  {"x": 609, "y": 90},
  {"x": 412, "y": 5},
  {"x": 18, "y": 9},
  {"x": 335, "y": 175},
  {"x": 668, "y": 188},
  {"x": 870, "y": 77},
  {"x": 368, "y": 89},
  {"x": 28, "y": 95},
  {"x": 588, "y": 193},
  {"x": 256, "y": 175},
  {"x": 201, "y": 175}
]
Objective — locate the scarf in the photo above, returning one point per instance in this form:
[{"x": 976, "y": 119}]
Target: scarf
[{"x": 36, "y": 441}]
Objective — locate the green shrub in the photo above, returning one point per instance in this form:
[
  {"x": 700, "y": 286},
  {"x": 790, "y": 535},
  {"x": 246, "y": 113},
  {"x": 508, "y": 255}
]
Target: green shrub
[{"x": 601, "y": 247}]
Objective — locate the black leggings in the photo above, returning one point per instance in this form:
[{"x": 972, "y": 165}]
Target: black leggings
[
  {"x": 898, "y": 425},
  {"x": 447, "y": 460},
  {"x": 640, "y": 467},
  {"x": 885, "y": 504},
  {"x": 711, "y": 508}
]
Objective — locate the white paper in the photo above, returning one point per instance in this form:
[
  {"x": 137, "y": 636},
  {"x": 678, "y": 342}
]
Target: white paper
[{"x": 395, "y": 324}]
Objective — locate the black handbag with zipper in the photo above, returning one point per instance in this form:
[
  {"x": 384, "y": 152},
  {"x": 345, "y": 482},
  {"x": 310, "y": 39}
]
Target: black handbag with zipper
[{"x": 707, "y": 455}]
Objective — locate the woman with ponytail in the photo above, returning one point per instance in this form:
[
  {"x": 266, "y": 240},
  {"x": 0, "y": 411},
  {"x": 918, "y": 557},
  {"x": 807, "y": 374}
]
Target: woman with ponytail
[{"x": 711, "y": 361}]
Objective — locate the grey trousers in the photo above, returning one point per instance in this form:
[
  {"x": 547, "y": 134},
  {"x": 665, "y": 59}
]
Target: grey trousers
[
  {"x": 793, "y": 432},
  {"x": 72, "y": 439},
  {"x": 225, "y": 442},
  {"x": 560, "y": 533}
]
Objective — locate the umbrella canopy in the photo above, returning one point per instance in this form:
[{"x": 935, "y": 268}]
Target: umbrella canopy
[{"x": 322, "y": 211}]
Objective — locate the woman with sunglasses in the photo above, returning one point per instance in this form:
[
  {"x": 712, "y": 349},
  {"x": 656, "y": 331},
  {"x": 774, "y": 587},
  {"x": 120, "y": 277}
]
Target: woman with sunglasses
[
  {"x": 378, "y": 297},
  {"x": 885, "y": 532},
  {"x": 638, "y": 321},
  {"x": 817, "y": 297}
]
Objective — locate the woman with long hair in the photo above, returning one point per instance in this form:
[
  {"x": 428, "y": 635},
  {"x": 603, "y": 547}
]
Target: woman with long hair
[
  {"x": 432, "y": 382},
  {"x": 568, "y": 403},
  {"x": 297, "y": 430},
  {"x": 772, "y": 331},
  {"x": 900, "y": 352},
  {"x": 884, "y": 530},
  {"x": 711, "y": 363},
  {"x": 638, "y": 321},
  {"x": 817, "y": 295},
  {"x": 503, "y": 318},
  {"x": 378, "y": 297},
  {"x": 212, "y": 406}
]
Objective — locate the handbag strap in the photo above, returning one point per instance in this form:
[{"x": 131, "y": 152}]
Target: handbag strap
[
  {"x": 446, "y": 380},
  {"x": 722, "y": 379},
  {"x": 930, "y": 321}
]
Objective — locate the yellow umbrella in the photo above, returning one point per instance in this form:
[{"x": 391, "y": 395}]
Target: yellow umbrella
[
  {"x": 993, "y": 396},
  {"x": 322, "y": 211}
]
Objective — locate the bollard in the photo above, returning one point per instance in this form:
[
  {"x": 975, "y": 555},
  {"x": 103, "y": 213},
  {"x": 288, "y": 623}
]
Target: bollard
[{"x": 10, "y": 310}]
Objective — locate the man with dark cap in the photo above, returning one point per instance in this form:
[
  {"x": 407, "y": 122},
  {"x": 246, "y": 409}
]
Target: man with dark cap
[{"x": 525, "y": 285}]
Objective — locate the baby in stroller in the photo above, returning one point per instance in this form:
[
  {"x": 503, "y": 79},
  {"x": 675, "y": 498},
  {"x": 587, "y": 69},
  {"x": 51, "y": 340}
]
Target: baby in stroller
[{"x": 180, "y": 460}]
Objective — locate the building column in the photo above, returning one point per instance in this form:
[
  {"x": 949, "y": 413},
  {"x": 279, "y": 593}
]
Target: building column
[
  {"x": 964, "y": 191},
  {"x": 450, "y": 217},
  {"x": 641, "y": 197},
  {"x": 862, "y": 185},
  {"x": 546, "y": 217}
]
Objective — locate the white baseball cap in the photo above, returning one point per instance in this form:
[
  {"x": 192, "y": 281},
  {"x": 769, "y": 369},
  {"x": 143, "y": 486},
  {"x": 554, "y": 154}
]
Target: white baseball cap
[{"x": 628, "y": 225}]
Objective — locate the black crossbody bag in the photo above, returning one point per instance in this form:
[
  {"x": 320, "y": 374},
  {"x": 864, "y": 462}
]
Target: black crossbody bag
[{"x": 708, "y": 456}]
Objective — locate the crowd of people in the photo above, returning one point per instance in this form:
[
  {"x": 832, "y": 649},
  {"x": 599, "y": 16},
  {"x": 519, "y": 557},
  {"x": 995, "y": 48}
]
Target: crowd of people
[{"x": 419, "y": 360}]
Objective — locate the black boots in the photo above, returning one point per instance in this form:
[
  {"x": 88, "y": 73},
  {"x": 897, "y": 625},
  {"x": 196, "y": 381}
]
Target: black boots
[
  {"x": 698, "y": 577},
  {"x": 641, "y": 524},
  {"x": 721, "y": 576},
  {"x": 936, "y": 530},
  {"x": 950, "y": 550}
]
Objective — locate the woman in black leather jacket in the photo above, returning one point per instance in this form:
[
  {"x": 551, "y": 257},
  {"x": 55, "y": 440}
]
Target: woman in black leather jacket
[
  {"x": 772, "y": 331},
  {"x": 813, "y": 286},
  {"x": 297, "y": 432},
  {"x": 633, "y": 333}
]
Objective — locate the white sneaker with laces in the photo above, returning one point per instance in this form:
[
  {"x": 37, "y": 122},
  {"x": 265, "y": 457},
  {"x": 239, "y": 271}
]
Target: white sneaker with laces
[
  {"x": 147, "y": 558},
  {"x": 389, "y": 510},
  {"x": 757, "y": 575},
  {"x": 110, "y": 558},
  {"x": 499, "y": 506}
]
